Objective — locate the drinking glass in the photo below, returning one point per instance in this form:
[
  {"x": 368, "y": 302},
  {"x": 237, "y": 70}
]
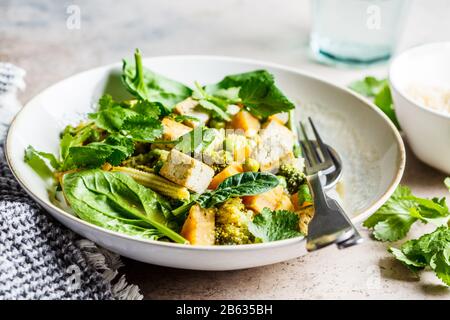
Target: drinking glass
[{"x": 356, "y": 32}]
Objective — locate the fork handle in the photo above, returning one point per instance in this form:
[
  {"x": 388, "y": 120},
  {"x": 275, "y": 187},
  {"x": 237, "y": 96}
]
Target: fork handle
[{"x": 329, "y": 225}]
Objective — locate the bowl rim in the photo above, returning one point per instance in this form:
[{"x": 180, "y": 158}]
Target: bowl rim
[
  {"x": 258, "y": 246},
  {"x": 395, "y": 86}
]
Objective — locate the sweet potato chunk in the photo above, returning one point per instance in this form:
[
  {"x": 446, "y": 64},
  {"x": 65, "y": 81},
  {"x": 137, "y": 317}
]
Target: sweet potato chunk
[
  {"x": 199, "y": 226},
  {"x": 245, "y": 121},
  {"x": 229, "y": 171}
]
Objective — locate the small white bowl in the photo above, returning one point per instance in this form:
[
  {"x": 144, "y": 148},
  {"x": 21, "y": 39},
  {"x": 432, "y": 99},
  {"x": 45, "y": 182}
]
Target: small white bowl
[{"x": 427, "y": 130}]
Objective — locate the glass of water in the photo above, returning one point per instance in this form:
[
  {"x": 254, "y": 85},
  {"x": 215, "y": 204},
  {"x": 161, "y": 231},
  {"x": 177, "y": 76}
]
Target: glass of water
[{"x": 356, "y": 32}]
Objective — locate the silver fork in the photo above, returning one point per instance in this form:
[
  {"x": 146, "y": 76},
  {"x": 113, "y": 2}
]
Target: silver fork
[{"x": 329, "y": 224}]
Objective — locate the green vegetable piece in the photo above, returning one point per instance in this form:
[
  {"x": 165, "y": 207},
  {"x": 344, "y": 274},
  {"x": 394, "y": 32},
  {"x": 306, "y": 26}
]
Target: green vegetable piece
[
  {"x": 304, "y": 195},
  {"x": 147, "y": 85},
  {"x": 275, "y": 225},
  {"x": 294, "y": 177},
  {"x": 42, "y": 163},
  {"x": 447, "y": 183},
  {"x": 251, "y": 164},
  {"x": 256, "y": 90},
  {"x": 431, "y": 250},
  {"x": 142, "y": 128},
  {"x": 113, "y": 149},
  {"x": 380, "y": 91},
  {"x": 241, "y": 184},
  {"x": 115, "y": 201},
  {"x": 394, "y": 219}
]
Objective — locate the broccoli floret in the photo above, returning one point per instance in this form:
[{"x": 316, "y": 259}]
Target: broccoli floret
[
  {"x": 232, "y": 221},
  {"x": 218, "y": 160},
  {"x": 294, "y": 177}
]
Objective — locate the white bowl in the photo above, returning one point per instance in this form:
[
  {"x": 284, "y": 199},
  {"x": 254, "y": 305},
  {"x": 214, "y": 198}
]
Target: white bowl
[
  {"x": 427, "y": 130},
  {"x": 371, "y": 148}
]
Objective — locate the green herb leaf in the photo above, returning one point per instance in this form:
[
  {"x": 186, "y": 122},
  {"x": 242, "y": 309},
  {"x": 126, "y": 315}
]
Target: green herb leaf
[
  {"x": 241, "y": 184},
  {"x": 394, "y": 219},
  {"x": 215, "y": 110},
  {"x": 113, "y": 149},
  {"x": 275, "y": 225},
  {"x": 369, "y": 86},
  {"x": 42, "y": 163},
  {"x": 112, "y": 119},
  {"x": 142, "y": 128},
  {"x": 147, "y": 85},
  {"x": 115, "y": 201},
  {"x": 256, "y": 90},
  {"x": 431, "y": 250},
  {"x": 380, "y": 91},
  {"x": 147, "y": 108}
]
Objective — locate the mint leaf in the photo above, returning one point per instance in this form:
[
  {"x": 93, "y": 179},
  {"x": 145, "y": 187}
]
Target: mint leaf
[
  {"x": 275, "y": 225},
  {"x": 42, "y": 163},
  {"x": 431, "y": 250},
  {"x": 394, "y": 219},
  {"x": 142, "y": 128}
]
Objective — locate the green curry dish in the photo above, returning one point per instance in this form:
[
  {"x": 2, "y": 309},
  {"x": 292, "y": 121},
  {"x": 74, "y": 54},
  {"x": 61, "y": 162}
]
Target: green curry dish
[
  {"x": 115, "y": 201},
  {"x": 161, "y": 164}
]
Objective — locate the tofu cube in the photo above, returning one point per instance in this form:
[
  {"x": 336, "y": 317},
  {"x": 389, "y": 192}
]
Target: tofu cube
[
  {"x": 187, "y": 171},
  {"x": 190, "y": 107},
  {"x": 274, "y": 146}
]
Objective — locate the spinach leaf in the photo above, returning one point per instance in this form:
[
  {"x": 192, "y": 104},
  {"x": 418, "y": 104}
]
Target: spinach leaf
[
  {"x": 275, "y": 225},
  {"x": 147, "y": 85},
  {"x": 115, "y": 201},
  {"x": 256, "y": 90},
  {"x": 241, "y": 184},
  {"x": 42, "y": 163}
]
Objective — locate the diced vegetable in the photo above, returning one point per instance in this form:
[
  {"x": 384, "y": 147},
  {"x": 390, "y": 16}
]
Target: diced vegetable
[
  {"x": 251, "y": 164},
  {"x": 156, "y": 183},
  {"x": 273, "y": 199},
  {"x": 244, "y": 120},
  {"x": 199, "y": 227},
  {"x": 229, "y": 171}
]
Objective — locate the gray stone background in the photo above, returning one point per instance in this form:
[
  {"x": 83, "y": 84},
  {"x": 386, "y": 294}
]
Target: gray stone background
[{"x": 34, "y": 35}]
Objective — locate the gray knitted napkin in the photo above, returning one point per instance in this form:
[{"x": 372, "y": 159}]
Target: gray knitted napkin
[{"x": 39, "y": 257}]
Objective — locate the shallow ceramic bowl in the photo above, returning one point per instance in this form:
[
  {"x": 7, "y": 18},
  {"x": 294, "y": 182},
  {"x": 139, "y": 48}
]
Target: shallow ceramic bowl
[
  {"x": 427, "y": 130},
  {"x": 371, "y": 148}
]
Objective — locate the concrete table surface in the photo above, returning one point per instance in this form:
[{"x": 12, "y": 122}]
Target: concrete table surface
[{"x": 36, "y": 35}]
